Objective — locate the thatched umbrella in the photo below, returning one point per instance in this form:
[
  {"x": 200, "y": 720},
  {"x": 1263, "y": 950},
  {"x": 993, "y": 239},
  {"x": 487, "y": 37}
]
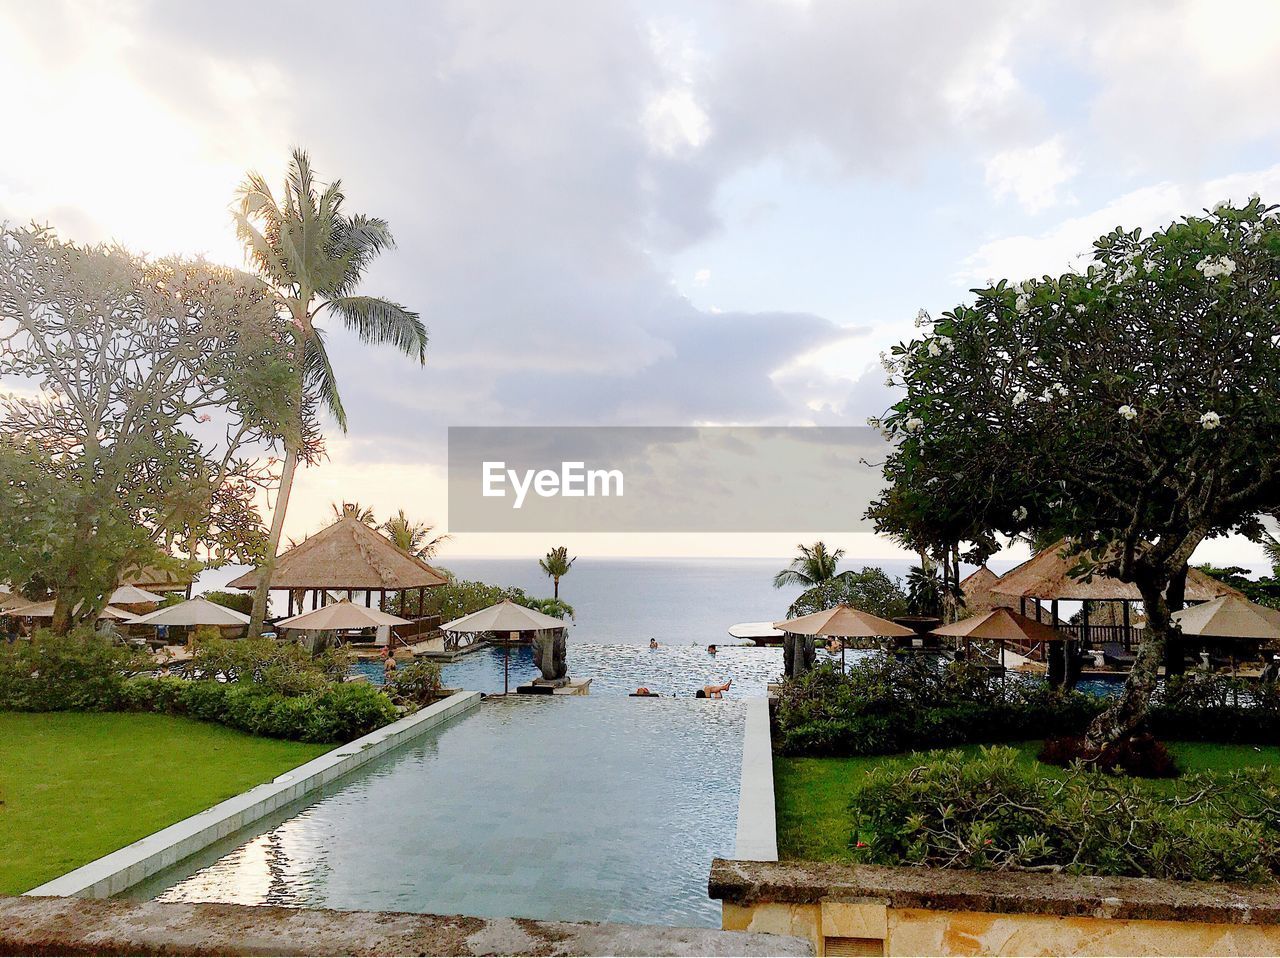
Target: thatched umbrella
[
  {"x": 505, "y": 616},
  {"x": 844, "y": 622},
  {"x": 1230, "y": 617},
  {"x": 44, "y": 610},
  {"x": 132, "y": 595}
]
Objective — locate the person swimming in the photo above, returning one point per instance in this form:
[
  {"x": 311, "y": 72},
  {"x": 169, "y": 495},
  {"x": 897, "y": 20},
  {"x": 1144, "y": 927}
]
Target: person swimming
[
  {"x": 653, "y": 643},
  {"x": 715, "y": 691},
  {"x": 711, "y": 649}
]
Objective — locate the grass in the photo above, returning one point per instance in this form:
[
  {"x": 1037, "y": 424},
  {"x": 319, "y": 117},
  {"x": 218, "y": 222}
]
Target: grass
[
  {"x": 75, "y": 786},
  {"x": 813, "y": 794}
]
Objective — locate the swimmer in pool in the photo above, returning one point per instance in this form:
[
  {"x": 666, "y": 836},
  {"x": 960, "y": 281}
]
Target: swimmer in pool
[
  {"x": 653, "y": 643},
  {"x": 711, "y": 649}
]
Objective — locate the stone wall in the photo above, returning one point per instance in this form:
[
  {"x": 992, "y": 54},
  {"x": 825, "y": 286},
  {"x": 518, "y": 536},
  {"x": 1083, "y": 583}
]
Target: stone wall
[{"x": 866, "y": 910}]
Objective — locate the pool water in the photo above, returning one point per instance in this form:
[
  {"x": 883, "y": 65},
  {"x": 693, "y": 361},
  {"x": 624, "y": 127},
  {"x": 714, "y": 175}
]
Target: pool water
[
  {"x": 678, "y": 670},
  {"x": 568, "y": 808}
]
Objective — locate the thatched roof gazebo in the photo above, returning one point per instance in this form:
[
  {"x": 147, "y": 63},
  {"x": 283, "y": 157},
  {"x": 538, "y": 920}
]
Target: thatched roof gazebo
[
  {"x": 349, "y": 557},
  {"x": 976, "y": 587},
  {"x": 1046, "y": 576}
]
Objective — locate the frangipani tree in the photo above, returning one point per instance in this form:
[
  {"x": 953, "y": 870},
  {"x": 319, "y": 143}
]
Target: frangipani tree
[{"x": 1133, "y": 408}]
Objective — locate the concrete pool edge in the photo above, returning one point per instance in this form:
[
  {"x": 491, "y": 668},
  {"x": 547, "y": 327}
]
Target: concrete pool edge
[
  {"x": 126, "y": 867},
  {"x": 757, "y": 838}
]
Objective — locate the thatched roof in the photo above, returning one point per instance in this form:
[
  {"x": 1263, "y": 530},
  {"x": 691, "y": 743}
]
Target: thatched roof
[
  {"x": 1046, "y": 575},
  {"x": 976, "y": 587},
  {"x": 155, "y": 579},
  {"x": 346, "y": 555}
]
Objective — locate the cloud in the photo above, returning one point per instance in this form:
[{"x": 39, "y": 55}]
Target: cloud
[
  {"x": 1033, "y": 175},
  {"x": 1069, "y": 243}
]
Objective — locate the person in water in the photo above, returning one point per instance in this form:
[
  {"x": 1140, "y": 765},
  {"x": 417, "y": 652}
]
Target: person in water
[
  {"x": 653, "y": 643},
  {"x": 715, "y": 691},
  {"x": 389, "y": 664},
  {"x": 711, "y": 649}
]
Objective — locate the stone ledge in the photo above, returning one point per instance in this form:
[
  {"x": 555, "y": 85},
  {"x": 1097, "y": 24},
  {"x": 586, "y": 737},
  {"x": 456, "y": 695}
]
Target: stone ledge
[
  {"x": 1025, "y": 893},
  {"x": 81, "y": 926}
]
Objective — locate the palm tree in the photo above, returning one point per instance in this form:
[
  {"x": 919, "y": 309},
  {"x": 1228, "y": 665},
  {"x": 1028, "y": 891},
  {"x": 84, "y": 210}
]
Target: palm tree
[
  {"x": 557, "y": 564},
  {"x": 313, "y": 256},
  {"x": 1271, "y": 546},
  {"x": 413, "y": 537},
  {"x": 814, "y": 565},
  {"x": 558, "y": 608},
  {"x": 353, "y": 510}
]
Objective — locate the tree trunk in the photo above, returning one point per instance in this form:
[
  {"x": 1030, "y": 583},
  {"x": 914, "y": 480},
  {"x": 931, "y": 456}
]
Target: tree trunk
[
  {"x": 1174, "y": 663},
  {"x": 555, "y": 587},
  {"x": 1122, "y": 718},
  {"x": 61, "y": 623},
  {"x": 259, "y": 614}
]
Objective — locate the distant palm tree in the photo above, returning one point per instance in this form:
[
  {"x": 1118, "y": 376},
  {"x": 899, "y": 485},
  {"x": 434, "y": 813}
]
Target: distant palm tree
[
  {"x": 815, "y": 565},
  {"x": 413, "y": 537},
  {"x": 313, "y": 256},
  {"x": 557, "y": 564},
  {"x": 353, "y": 510},
  {"x": 1271, "y": 546}
]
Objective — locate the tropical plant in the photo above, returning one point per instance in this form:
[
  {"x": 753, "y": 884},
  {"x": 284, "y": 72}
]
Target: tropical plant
[
  {"x": 158, "y": 390},
  {"x": 353, "y": 510},
  {"x": 1131, "y": 408},
  {"x": 313, "y": 256},
  {"x": 925, "y": 589},
  {"x": 414, "y": 538},
  {"x": 556, "y": 564},
  {"x": 814, "y": 565},
  {"x": 870, "y": 589},
  {"x": 556, "y": 608}
]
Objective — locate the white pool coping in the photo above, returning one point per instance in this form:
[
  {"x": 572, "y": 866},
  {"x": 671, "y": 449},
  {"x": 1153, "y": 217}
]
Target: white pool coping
[
  {"x": 134, "y": 863},
  {"x": 757, "y": 822}
]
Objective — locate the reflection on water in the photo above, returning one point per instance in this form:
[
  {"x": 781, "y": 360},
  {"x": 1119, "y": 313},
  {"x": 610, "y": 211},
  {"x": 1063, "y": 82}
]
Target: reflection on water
[{"x": 568, "y": 808}]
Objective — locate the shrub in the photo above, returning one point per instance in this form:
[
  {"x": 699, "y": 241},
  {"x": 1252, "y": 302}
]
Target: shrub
[
  {"x": 885, "y": 705},
  {"x": 417, "y": 683},
  {"x": 1141, "y": 755},
  {"x": 995, "y": 812},
  {"x": 81, "y": 671},
  {"x": 284, "y": 667}
]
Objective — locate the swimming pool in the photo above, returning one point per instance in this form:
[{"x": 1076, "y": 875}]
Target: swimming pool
[
  {"x": 569, "y": 808},
  {"x": 614, "y": 670}
]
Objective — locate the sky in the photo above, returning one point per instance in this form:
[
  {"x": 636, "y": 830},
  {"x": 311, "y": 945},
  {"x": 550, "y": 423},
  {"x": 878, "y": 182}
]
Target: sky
[{"x": 617, "y": 213}]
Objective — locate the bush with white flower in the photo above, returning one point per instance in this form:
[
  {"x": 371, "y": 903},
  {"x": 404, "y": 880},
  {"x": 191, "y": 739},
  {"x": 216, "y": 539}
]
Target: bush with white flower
[{"x": 1138, "y": 362}]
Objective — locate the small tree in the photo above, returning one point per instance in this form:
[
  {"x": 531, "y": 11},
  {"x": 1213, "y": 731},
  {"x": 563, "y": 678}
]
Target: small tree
[
  {"x": 1133, "y": 408},
  {"x": 414, "y": 538},
  {"x": 556, "y": 564},
  {"x": 813, "y": 565},
  {"x": 870, "y": 589},
  {"x": 159, "y": 390}
]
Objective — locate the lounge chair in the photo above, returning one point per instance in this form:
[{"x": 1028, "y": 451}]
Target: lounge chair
[{"x": 1116, "y": 656}]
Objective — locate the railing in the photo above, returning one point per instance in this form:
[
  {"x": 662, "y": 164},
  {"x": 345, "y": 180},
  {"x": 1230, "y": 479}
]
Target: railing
[{"x": 416, "y": 629}]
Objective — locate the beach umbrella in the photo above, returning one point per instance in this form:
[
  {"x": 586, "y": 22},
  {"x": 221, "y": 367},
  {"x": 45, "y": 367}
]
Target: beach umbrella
[
  {"x": 844, "y": 622},
  {"x": 340, "y": 615},
  {"x": 1230, "y": 617},
  {"x": 1003, "y": 625},
  {"x": 197, "y": 611},
  {"x": 505, "y": 616},
  {"x": 132, "y": 595},
  {"x": 9, "y": 600},
  {"x": 44, "y": 610}
]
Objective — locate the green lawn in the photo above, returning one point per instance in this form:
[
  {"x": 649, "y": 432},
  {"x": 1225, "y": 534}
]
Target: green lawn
[
  {"x": 813, "y": 794},
  {"x": 75, "y": 786}
]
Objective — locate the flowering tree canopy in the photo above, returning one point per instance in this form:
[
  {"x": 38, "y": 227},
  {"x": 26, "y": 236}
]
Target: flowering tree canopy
[
  {"x": 1133, "y": 408},
  {"x": 151, "y": 393}
]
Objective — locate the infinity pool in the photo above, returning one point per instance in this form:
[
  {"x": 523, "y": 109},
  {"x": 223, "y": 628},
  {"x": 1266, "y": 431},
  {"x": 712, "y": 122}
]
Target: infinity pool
[{"x": 571, "y": 808}]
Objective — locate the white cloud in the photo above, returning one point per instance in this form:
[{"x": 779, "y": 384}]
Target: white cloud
[
  {"x": 702, "y": 277},
  {"x": 1070, "y": 242},
  {"x": 1033, "y": 175}
]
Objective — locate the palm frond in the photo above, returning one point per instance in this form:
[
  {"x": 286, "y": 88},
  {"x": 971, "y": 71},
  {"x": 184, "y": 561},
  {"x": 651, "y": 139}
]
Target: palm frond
[
  {"x": 317, "y": 375},
  {"x": 383, "y": 322}
]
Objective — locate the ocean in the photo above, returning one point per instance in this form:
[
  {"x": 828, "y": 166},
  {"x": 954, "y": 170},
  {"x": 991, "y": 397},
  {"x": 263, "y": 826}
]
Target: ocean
[{"x": 629, "y": 601}]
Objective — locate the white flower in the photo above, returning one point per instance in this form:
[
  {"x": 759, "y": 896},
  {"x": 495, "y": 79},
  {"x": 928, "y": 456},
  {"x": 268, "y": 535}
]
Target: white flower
[
  {"x": 1123, "y": 275},
  {"x": 1221, "y": 205},
  {"x": 1019, "y": 397},
  {"x": 1128, "y": 413},
  {"x": 889, "y": 381},
  {"x": 946, "y": 343},
  {"x": 1021, "y": 304},
  {"x": 1080, "y": 308},
  {"x": 1210, "y": 420},
  {"x": 1020, "y": 513},
  {"x": 1058, "y": 388},
  {"x": 1213, "y": 268},
  {"x": 934, "y": 348},
  {"x": 1254, "y": 197},
  {"x": 914, "y": 424},
  {"x": 923, "y": 318}
]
